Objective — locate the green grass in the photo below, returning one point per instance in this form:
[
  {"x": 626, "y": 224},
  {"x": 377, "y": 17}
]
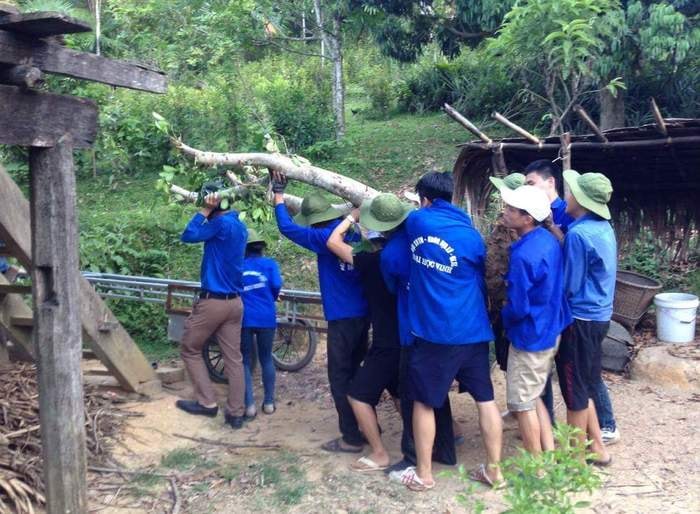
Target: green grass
[{"x": 184, "y": 458}]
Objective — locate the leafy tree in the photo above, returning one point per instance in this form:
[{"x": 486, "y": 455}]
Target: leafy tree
[
  {"x": 647, "y": 41},
  {"x": 552, "y": 46},
  {"x": 407, "y": 27}
]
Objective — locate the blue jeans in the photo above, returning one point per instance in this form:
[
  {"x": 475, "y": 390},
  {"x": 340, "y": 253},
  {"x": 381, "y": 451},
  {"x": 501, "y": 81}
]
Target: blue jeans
[
  {"x": 263, "y": 337},
  {"x": 603, "y": 407}
]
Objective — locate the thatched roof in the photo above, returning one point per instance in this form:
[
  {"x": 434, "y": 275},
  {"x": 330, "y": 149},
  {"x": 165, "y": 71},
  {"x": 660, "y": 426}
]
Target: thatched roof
[{"x": 656, "y": 178}]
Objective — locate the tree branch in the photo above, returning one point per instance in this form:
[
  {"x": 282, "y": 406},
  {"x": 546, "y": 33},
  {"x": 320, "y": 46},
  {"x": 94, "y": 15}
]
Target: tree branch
[{"x": 333, "y": 182}]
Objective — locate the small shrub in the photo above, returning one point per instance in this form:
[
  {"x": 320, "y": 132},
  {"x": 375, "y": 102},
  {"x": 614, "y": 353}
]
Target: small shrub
[{"x": 543, "y": 484}]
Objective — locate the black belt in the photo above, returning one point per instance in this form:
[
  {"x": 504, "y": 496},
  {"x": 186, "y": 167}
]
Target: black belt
[{"x": 205, "y": 295}]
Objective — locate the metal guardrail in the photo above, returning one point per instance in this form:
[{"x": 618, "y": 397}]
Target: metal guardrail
[{"x": 155, "y": 290}]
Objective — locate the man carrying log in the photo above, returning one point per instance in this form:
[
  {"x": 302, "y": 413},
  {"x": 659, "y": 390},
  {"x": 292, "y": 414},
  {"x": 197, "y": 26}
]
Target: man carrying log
[
  {"x": 382, "y": 215},
  {"x": 218, "y": 311},
  {"x": 344, "y": 303},
  {"x": 447, "y": 309}
]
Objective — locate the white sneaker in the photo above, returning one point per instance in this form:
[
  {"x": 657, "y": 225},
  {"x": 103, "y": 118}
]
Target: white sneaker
[
  {"x": 610, "y": 436},
  {"x": 401, "y": 476}
]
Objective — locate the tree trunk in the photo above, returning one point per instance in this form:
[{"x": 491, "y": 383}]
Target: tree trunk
[
  {"x": 331, "y": 41},
  {"x": 338, "y": 88},
  {"x": 612, "y": 109}
]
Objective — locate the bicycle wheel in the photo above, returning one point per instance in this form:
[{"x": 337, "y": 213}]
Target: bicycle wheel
[
  {"x": 294, "y": 345},
  {"x": 214, "y": 360}
]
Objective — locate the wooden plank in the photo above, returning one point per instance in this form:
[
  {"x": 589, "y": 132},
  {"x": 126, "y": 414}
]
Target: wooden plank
[
  {"x": 52, "y": 58},
  {"x": 32, "y": 118},
  {"x": 57, "y": 334},
  {"x": 115, "y": 348},
  {"x": 15, "y": 289},
  {"x": 22, "y": 320},
  {"x": 13, "y": 306},
  {"x": 43, "y": 24}
]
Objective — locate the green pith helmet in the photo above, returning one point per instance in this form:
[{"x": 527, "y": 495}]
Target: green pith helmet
[
  {"x": 512, "y": 181},
  {"x": 384, "y": 212},
  {"x": 316, "y": 209},
  {"x": 254, "y": 237},
  {"x": 592, "y": 191}
]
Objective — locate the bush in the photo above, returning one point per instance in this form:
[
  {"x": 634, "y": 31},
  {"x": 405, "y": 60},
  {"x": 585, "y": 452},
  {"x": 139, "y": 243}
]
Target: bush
[
  {"x": 469, "y": 82},
  {"x": 295, "y": 100}
]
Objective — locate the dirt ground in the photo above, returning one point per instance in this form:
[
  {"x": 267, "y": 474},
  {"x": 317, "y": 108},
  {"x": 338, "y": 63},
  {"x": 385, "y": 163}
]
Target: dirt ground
[{"x": 656, "y": 465}]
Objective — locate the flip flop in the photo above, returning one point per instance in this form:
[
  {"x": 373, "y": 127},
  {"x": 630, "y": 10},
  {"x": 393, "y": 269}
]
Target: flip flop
[
  {"x": 411, "y": 480},
  {"x": 365, "y": 465},
  {"x": 335, "y": 446},
  {"x": 479, "y": 475}
]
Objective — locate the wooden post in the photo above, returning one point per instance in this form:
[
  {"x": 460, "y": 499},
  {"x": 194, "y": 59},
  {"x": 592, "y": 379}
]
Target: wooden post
[
  {"x": 565, "y": 151},
  {"x": 516, "y": 128},
  {"x": 658, "y": 119},
  {"x": 589, "y": 121},
  {"x": 57, "y": 330},
  {"x": 455, "y": 115}
]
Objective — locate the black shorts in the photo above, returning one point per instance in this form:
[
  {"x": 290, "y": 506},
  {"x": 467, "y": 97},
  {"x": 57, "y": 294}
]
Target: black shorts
[
  {"x": 379, "y": 371},
  {"x": 433, "y": 367},
  {"x": 579, "y": 361}
]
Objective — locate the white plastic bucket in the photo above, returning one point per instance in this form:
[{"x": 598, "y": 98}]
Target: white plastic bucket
[{"x": 675, "y": 317}]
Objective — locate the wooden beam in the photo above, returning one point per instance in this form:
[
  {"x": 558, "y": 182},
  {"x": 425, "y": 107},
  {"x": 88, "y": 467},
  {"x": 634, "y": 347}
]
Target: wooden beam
[
  {"x": 57, "y": 334},
  {"x": 43, "y": 24},
  {"x": 117, "y": 351},
  {"x": 516, "y": 128},
  {"x": 23, "y": 75},
  {"x": 585, "y": 145},
  {"x": 591, "y": 124},
  {"x": 53, "y": 58},
  {"x": 659, "y": 119},
  {"x": 32, "y": 118},
  {"x": 455, "y": 115}
]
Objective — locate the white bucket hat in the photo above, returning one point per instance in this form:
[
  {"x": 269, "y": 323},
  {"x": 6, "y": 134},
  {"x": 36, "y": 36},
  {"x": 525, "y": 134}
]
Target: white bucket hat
[{"x": 531, "y": 199}]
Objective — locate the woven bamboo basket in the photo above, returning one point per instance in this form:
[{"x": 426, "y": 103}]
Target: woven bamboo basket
[{"x": 633, "y": 296}]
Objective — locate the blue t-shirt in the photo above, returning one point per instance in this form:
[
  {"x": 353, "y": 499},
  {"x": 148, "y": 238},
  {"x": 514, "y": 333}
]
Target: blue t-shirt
[
  {"x": 536, "y": 312},
  {"x": 396, "y": 270},
  {"x": 261, "y": 286},
  {"x": 590, "y": 268},
  {"x": 447, "y": 296},
  {"x": 559, "y": 216},
  {"x": 342, "y": 294},
  {"x": 224, "y": 237}
]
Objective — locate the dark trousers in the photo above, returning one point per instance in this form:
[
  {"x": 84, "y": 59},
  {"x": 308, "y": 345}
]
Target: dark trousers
[
  {"x": 444, "y": 450},
  {"x": 347, "y": 346}
]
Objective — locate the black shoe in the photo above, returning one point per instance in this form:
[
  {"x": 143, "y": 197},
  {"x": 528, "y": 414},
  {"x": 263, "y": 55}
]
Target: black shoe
[
  {"x": 236, "y": 422},
  {"x": 399, "y": 466},
  {"x": 196, "y": 408}
]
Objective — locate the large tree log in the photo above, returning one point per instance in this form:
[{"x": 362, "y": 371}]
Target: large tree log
[{"x": 344, "y": 187}]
